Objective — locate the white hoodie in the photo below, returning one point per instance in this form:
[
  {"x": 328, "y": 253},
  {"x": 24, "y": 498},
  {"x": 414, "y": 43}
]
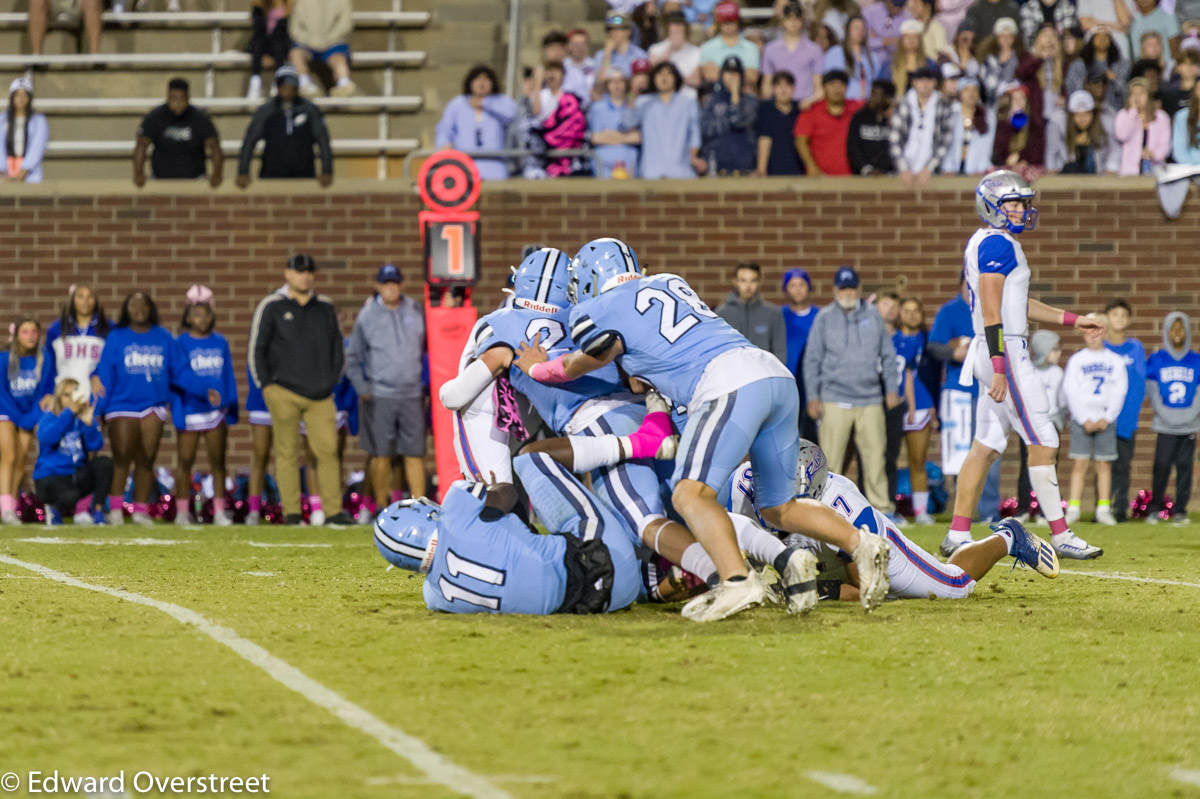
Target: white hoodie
[{"x": 1094, "y": 385}]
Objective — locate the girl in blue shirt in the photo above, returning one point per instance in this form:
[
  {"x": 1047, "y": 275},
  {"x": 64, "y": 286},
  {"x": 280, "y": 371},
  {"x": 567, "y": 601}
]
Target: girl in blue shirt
[
  {"x": 67, "y": 469},
  {"x": 205, "y": 363},
  {"x": 909, "y": 342},
  {"x": 23, "y": 382}
]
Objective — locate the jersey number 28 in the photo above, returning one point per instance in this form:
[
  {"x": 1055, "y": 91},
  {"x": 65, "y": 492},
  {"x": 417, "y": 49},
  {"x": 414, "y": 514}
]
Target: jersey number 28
[{"x": 677, "y": 292}]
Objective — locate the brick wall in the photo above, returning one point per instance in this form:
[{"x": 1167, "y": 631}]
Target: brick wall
[{"x": 1098, "y": 239}]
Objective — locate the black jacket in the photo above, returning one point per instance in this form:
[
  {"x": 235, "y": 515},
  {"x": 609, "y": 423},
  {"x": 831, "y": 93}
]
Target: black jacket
[
  {"x": 288, "y": 136},
  {"x": 867, "y": 143},
  {"x": 298, "y": 347}
]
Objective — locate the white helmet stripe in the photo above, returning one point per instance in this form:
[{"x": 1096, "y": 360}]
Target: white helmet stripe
[
  {"x": 543, "y": 292},
  {"x": 626, "y": 253},
  {"x": 397, "y": 546}
]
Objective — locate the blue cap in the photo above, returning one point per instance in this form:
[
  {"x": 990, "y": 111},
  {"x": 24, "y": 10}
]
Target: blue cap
[
  {"x": 796, "y": 272},
  {"x": 388, "y": 273},
  {"x": 846, "y": 278}
]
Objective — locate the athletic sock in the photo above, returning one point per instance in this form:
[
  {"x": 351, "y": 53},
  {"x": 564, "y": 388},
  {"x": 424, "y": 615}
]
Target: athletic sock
[
  {"x": 1103, "y": 503},
  {"x": 181, "y": 506},
  {"x": 116, "y": 502},
  {"x": 397, "y": 495},
  {"x": 141, "y": 507},
  {"x": 698, "y": 562},
  {"x": 255, "y": 504},
  {"x": 83, "y": 505},
  {"x": 592, "y": 452},
  {"x": 7, "y": 502},
  {"x": 1006, "y": 536},
  {"x": 758, "y": 543},
  {"x": 1044, "y": 480},
  {"x": 960, "y": 524},
  {"x": 314, "y": 503},
  {"x": 920, "y": 502},
  {"x": 1075, "y": 503}
]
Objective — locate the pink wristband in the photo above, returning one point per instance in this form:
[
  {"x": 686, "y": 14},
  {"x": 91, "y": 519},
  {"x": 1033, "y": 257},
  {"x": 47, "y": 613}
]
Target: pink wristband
[
  {"x": 549, "y": 372},
  {"x": 1069, "y": 318},
  {"x": 998, "y": 364}
]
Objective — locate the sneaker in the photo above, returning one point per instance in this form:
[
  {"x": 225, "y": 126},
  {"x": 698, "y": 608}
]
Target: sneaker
[
  {"x": 347, "y": 89},
  {"x": 118, "y": 7},
  {"x": 1105, "y": 517},
  {"x": 799, "y": 575},
  {"x": 310, "y": 89},
  {"x": 871, "y": 557},
  {"x": 183, "y": 519},
  {"x": 116, "y": 516},
  {"x": 254, "y": 91},
  {"x": 83, "y": 519},
  {"x": 53, "y": 517},
  {"x": 1029, "y": 549},
  {"x": 9, "y": 517},
  {"x": 173, "y": 7},
  {"x": 727, "y": 599},
  {"x": 98, "y": 517},
  {"x": 341, "y": 519},
  {"x": 655, "y": 403},
  {"x": 953, "y": 541},
  {"x": 1152, "y": 517},
  {"x": 294, "y": 520},
  {"x": 253, "y": 518},
  {"x": 223, "y": 519},
  {"x": 924, "y": 519},
  {"x": 1069, "y": 545},
  {"x": 1179, "y": 520},
  {"x": 316, "y": 518},
  {"x": 1073, "y": 513},
  {"x": 142, "y": 519}
]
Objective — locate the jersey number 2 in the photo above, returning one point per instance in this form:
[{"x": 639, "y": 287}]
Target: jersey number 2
[
  {"x": 677, "y": 292},
  {"x": 550, "y": 330}
]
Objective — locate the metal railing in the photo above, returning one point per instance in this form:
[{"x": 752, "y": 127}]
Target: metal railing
[{"x": 425, "y": 152}]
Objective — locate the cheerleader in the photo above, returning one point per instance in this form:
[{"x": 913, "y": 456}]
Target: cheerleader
[
  {"x": 24, "y": 373},
  {"x": 67, "y": 470},
  {"x": 909, "y": 342},
  {"x": 205, "y": 362},
  {"x": 75, "y": 340}
]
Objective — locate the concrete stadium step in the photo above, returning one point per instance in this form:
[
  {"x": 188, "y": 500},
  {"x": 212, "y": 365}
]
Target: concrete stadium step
[
  {"x": 229, "y": 59},
  {"x": 116, "y": 106},
  {"x": 227, "y": 83},
  {"x": 230, "y": 126},
  {"x": 344, "y": 167}
]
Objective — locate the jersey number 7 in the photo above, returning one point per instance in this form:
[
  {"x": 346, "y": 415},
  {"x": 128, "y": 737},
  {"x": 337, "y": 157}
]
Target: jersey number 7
[{"x": 677, "y": 292}]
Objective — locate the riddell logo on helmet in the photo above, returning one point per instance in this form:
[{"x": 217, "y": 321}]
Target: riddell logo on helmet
[{"x": 531, "y": 305}]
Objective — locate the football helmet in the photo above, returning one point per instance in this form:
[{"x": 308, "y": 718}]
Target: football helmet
[
  {"x": 1000, "y": 187},
  {"x": 599, "y": 266},
  {"x": 406, "y": 533},
  {"x": 812, "y": 472},
  {"x": 540, "y": 282}
]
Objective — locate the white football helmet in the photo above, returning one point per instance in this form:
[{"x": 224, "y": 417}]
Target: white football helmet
[
  {"x": 1000, "y": 187},
  {"x": 812, "y": 472}
]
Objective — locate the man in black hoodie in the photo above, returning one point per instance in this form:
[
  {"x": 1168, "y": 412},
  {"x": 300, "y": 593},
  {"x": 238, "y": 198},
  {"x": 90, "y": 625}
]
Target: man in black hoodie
[
  {"x": 749, "y": 314},
  {"x": 297, "y": 357},
  {"x": 867, "y": 144},
  {"x": 288, "y": 125}
]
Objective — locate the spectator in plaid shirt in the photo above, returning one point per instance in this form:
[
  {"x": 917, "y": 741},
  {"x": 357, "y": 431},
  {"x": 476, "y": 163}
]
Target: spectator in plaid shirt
[
  {"x": 922, "y": 129},
  {"x": 1035, "y": 13}
]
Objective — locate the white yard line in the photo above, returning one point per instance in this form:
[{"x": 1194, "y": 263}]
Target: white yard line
[
  {"x": 264, "y": 545},
  {"x": 1128, "y": 578},
  {"x": 1186, "y": 776},
  {"x": 103, "y": 542},
  {"x": 842, "y": 783},
  {"x": 260, "y": 574},
  {"x": 402, "y": 779},
  {"x": 437, "y": 768}
]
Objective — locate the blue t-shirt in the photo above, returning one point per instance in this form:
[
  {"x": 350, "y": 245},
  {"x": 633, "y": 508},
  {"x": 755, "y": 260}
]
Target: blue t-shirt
[
  {"x": 603, "y": 115},
  {"x": 137, "y": 370},
  {"x": 210, "y": 363},
  {"x": 953, "y": 321},
  {"x": 20, "y": 394},
  {"x": 798, "y": 327},
  {"x": 910, "y": 350},
  {"x": 64, "y": 443},
  {"x": 1176, "y": 378},
  {"x": 556, "y": 404},
  {"x": 1134, "y": 355},
  {"x": 670, "y": 335}
]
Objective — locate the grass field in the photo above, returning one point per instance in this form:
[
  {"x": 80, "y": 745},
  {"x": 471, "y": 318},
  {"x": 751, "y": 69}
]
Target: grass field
[{"x": 1084, "y": 686}]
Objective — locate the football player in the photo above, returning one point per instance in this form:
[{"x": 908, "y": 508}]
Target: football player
[
  {"x": 997, "y": 277},
  {"x": 738, "y": 398}
]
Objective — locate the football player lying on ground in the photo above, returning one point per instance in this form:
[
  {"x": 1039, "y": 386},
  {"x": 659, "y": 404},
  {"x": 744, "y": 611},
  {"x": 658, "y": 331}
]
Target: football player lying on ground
[
  {"x": 913, "y": 572},
  {"x": 658, "y": 330}
]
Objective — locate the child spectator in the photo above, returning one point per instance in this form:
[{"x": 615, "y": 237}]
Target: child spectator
[
  {"x": 289, "y": 126},
  {"x": 270, "y": 42},
  {"x": 823, "y": 130},
  {"x": 854, "y": 58},
  {"x": 1143, "y": 130},
  {"x": 1186, "y": 130},
  {"x": 669, "y": 120},
  {"x": 181, "y": 134},
  {"x": 1059, "y": 14},
  {"x": 134, "y": 387},
  {"x": 729, "y": 41},
  {"x": 1094, "y": 385},
  {"x": 1133, "y": 354},
  {"x": 776, "y": 120},
  {"x": 612, "y": 121},
  {"x": 320, "y": 30},
  {"x": 23, "y": 374},
  {"x": 922, "y": 129},
  {"x": 794, "y": 53},
  {"x": 1173, "y": 372},
  {"x": 70, "y": 479},
  {"x": 678, "y": 50},
  {"x": 619, "y": 51},
  {"x": 1080, "y": 140},
  {"x": 868, "y": 143},
  {"x": 1149, "y": 18},
  {"x": 90, "y": 10},
  {"x": 908, "y": 59},
  {"x": 207, "y": 364},
  {"x": 1183, "y": 79},
  {"x": 477, "y": 120},
  {"x": 970, "y": 151},
  {"x": 564, "y": 127},
  {"x": 1100, "y": 58},
  {"x": 727, "y": 118},
  {"x": 909, "y": 341},
  {"x": 962, "y": 50},
  {"x": 1044, "y": 353},
  {"x": 579, "y": 66},
  {"x": 23, "y": 136},
  {"x": 75, "y": 340}
]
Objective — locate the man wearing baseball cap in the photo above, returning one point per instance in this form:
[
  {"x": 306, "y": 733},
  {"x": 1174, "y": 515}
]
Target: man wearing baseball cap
[
  {"x": 619, "y": 51},
  {"x": 384, "y": 364},
  {"x": 849, "y": 352},
  {"x": 296, "y": 358},
  {"x": 289, "y": 126},
  {"x": 729, "y": 41}
]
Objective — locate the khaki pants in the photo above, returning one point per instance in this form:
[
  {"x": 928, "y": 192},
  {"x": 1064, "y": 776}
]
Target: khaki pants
[
  {"x": 288, "y": 409},
  {"x": 870, "y": 436}
]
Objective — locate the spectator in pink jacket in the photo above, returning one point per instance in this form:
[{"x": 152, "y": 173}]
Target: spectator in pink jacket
[{"x": 1143, "y": 130}]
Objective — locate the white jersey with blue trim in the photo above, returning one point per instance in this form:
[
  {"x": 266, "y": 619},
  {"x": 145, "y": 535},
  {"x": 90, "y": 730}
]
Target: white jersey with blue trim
[
  {"x": 740, "y": 502},
  {"x": 992, "y": 251}
]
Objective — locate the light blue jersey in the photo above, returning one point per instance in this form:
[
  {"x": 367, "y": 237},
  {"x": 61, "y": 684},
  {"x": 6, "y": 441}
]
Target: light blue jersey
[
  {"x": 501, "y": 566},
  {"x": 556, "y": 404},
  {"x": 670, "y": 336}
]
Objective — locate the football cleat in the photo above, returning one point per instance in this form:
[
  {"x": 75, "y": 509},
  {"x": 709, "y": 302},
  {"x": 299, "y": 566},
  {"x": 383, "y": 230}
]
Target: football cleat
[
  {"x": 871, "y": 558},
  {"x": 952, "y": 542},
  {"x": 1069, "y": 545},
  {"x": 799, "y": 575},
  {"x": 727, "y": 599},
  {"x": 1029, "y": 549}
]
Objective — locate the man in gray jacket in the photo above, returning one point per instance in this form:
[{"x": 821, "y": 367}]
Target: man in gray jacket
[
  {"x": 849, "y": 351},
  {"x": 749, "y": 314},
  {"x": 384, "y": 364}
]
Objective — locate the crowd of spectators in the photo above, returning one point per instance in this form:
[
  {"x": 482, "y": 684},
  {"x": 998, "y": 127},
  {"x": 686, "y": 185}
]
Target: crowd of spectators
[{"x": 832, "y": 87}]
